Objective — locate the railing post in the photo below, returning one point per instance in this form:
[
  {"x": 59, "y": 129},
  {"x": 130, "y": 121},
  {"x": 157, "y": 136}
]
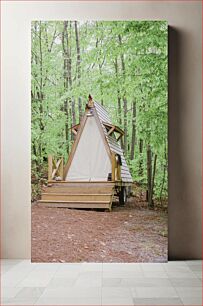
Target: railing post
[
  {"x": 50, "y": 167},
  {"x": 113, "y": 163},
  {"x": 61, "y": 169},
  {"x": 118, "y": 172}
]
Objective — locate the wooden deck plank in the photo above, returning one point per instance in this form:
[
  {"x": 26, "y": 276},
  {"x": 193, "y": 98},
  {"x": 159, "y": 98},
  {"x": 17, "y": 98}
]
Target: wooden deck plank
[
  {"x": 65, "y": 204},
  {"x": 76, "y": 197},
  {"x": 78, "y": 190}
]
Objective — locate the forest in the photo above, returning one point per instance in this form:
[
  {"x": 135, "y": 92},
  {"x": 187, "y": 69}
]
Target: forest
[{"x": 124, "y": 66}]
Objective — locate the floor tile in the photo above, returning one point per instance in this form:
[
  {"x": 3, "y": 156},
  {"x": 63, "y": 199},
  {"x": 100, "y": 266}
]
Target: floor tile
[
  {"x": 9, "y": 292},
  {"x": 61, "y": 282},
  {"x": 172, "y": 283},
  {"x": 176, "y": 268},
  {"x": 117, "y": 301},
  {"x": 185, "y": 282},
  {"x": 69, "y": 301},
  {"x": 196, "y": 268},
  {"x": 198, "y": 274},
  {"x": 32, "y": 292},
  {"x": 112, "y": 282},
  {"x": 193, "y": 262},
  {"x": 192, "y": 301},
  {"x": 88, "y": 282},
  {"x": 146, "y": 282},
  {"x": 153, "y": 267},
  {"x": 176, "y": 263},
  {"x": 73, "y": 292},
  {"x": 6, "y": 268},
  {"x": 16, "y": 274},
  {"x": 37, "y": 279},
  {"x": 48, "y": 267},
  {"x": 189, "y": 291},
  {"x": 155, "y": 292},
  {"x": 10, "y": 261},
  {"x": 21, "y": 301},
  {"x": 157, "y": 301},
  {"x": 122, "y": 274},
  {"x": 92, "y": 267},
  {"x": 116, "y": 292},
  {"x": 135, "y": 267},
  {"x": 67, "y": 274},
  {"x": 155, "y": 274},
  {"x": 178, "y": 274}
]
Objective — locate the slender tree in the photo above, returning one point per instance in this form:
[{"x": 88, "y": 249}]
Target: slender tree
[
  {"x": 125, "y": 107},
  {"x": 78, "y": 66},
  {"x": 133, "y": 140}
]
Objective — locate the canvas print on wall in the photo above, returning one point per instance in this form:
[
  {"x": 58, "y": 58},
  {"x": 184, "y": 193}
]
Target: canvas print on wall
[{"x": 99, "y": 141}]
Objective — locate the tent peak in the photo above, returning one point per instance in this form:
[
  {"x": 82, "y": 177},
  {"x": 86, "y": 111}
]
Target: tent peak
[{"x": 90, "y": 103}]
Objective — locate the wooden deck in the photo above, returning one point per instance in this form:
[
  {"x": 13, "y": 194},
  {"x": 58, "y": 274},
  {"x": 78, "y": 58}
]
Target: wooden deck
[{"x": 78, "y": 194}]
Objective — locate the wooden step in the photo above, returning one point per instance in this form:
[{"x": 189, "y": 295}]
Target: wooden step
[
  {"x": 78, "y": 194},
  {"x": 76, "y": 204},
  {"x": 80, "y": 184},
  {"x": 78, "y": 190},
  {"x": 76, "y": 197}
]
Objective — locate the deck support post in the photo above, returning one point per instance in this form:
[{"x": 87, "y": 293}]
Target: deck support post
[
  {"x": 113, "y": 163},
  {"x": 50, "y": 167},
  {"x": 61, "y": 169}
]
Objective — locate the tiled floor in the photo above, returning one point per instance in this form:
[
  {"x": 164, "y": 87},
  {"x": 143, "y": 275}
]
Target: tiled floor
[{"x": 173, "y": 283}]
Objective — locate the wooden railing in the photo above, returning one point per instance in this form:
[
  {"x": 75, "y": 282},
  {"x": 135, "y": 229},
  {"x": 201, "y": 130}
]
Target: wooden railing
[
  {"x": 116, "y": 168},
  {"x": 55, "y": 168}
]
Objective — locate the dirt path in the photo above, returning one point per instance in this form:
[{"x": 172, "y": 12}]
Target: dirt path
[{"x": 126, "y": 234}]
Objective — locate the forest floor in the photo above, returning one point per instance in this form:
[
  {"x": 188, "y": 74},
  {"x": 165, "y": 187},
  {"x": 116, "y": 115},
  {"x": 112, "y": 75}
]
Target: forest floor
[{"x": 126, "y": 234}]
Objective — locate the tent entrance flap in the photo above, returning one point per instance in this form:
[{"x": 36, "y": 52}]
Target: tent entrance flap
[{"x": 90, "y": 161}]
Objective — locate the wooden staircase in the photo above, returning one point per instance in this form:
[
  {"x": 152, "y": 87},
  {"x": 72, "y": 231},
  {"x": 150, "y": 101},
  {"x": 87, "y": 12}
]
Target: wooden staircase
[{"x": 78, "y": 194}]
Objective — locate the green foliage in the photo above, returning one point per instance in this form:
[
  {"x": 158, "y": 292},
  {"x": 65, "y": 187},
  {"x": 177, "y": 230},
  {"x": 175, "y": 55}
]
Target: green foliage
[{"x": 143, "y": 78}]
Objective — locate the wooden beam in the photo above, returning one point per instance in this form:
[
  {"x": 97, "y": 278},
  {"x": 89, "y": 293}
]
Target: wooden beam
[
  {"x": 56, "y": 170},
  {"x": 113, "y": 165},
  {"x": 90, "y": 102},
  {"x": 65, "y": 204},
  {"x": 111, "y": 130},
  {"x": 61, "y": 168},
  {"x": 50, "y": 167},
  {"x": 119, "y": 137},
  {"x": 74, "y": 131}
]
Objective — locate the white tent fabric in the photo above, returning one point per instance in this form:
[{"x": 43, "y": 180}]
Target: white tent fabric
[{"x": 91, "y": 161}]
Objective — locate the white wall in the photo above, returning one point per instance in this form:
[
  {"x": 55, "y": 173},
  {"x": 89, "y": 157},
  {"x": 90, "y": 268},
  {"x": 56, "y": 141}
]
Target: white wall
[{"x": 184, "y": 108}]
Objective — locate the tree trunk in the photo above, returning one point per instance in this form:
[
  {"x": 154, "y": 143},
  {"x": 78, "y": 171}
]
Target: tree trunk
[
  {"x": 101, "y": 83},
  {"x": 78, "y": 65},
  {"x": 153, "y": 179},
  {"x": 65, "y": 45},
  {"x": 162, "y": 185},
  {"x": 140, "y": 158},
  {"x": 118, "y": 92},
  {"x": 73, "y": 112},
  {"x": 133, "y": 141},
  {"x": 125, "y": 108},
  {"x": 164, "y": 175},
  {"x": 125, "y": 121},
  {"x": 149, "y": 176},
  {"x": 40, "y": 96},
  {"x": 80, "y": 108}
]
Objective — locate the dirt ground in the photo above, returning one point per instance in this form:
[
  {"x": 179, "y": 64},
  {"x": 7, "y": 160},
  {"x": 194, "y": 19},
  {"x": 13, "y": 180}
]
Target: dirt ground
[{"x": 126, "y": 234}]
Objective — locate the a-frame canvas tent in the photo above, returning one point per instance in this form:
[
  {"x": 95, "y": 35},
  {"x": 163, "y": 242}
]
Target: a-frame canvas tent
[
  {"x": 96, "y": 140},
  {"x": 96, "y": 168}
]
